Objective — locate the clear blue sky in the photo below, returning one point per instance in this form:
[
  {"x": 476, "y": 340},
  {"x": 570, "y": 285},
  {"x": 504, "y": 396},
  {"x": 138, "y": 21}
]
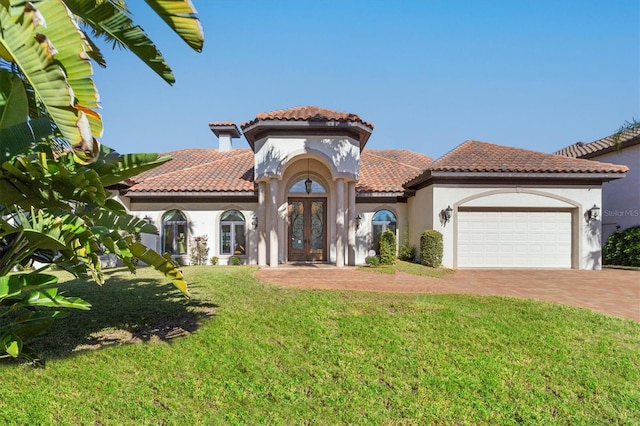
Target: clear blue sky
[{"x": 429, "y": 74}]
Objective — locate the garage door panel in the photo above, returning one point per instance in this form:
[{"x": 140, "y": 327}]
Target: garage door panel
[{"x": 514, "y": 239}]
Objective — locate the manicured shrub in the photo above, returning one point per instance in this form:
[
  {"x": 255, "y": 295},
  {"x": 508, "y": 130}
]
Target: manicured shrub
[
  {"x": 623, "y": 248},
  {"x": 372, "y": 260},
  {"x": 388, "y": 248},
  {"x": 408, "y": 252},
  {"x": 214, "y": 260},
  {"x": 431, "y": 248},
  {"x": 198, "y": 250},
  {"x": 235, "y": 260}
]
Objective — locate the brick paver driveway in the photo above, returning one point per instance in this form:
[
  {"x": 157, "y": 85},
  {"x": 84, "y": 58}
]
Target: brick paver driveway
[{"x": 613, "y": 292}]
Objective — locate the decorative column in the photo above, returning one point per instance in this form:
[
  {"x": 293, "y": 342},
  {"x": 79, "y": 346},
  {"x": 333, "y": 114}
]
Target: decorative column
[
  {"x": 273, "y": 226},
  {"x": 351, "y": 235},
  {"x": 340, "y": 222},
  {"x": 262, "y": 225}
]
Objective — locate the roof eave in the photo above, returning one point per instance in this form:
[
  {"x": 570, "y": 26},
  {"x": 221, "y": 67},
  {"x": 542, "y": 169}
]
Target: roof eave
[
  {"x": 254, "y": 130},
  {"x": 151, "y": 194},
  {"x": 230, "y": 129},
  {"x": 608, "y": 175}
]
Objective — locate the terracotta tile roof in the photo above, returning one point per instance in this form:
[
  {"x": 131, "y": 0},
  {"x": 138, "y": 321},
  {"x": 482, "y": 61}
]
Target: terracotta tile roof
[
  {"x": 387, "y": 170},
  {"x": 200, "y": 170},
  {"x": 474, "y": 156},
  {"x": 209, "y": 170},
  {"x": 381, "y": 171},
  {"x": 601, "y": 146},
  {"x": 307, "y": 113}
]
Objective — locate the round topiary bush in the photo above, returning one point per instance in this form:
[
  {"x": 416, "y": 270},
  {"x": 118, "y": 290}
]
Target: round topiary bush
[
  {"x": 623, "y": 248},
  {"x": 235, "y": 261},
  {"x": 431, "y": 248},
  {"x": 388, "y": 248}
]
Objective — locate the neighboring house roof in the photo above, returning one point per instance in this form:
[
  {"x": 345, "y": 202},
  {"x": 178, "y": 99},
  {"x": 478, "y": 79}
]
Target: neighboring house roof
[
  {"x": 211, "y": 171},
  {"x": 475, "y": 156},
  {"x": 610, "y": 143}
]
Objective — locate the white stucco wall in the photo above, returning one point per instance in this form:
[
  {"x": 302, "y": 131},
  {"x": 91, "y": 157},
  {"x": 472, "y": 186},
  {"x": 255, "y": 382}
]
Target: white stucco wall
[
  {"x": 204, "y": 219},
  {"x": 341, "y": 155},
  {"x": 578, "y": 199},
  {"x": 621, "y": 197},
  {"x": 420, "y": 214}
]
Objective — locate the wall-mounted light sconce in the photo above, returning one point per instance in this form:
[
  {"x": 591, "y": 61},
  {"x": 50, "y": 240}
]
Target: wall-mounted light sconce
[
  {"x": 592, "y": 213},
  {"x": 254, "y": 221},
  {"x": 359, "y": 221},
  {"x": 445, "y": 215}
]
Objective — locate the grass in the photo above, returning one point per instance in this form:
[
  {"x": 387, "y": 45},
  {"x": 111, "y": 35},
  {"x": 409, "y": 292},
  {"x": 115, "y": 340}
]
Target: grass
[
  {"x": 243, "y": 352},
  {"x": 421, "y": 270},
  {"x": 409, "y": 268}
]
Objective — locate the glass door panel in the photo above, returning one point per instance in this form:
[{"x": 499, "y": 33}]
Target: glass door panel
[
  {"x": 307, "y": 229},
  {"x": 296, "y": 231}
]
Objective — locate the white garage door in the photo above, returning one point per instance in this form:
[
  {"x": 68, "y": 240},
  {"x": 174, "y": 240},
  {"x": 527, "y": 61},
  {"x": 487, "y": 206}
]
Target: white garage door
[{"x": 514, "y": 239}]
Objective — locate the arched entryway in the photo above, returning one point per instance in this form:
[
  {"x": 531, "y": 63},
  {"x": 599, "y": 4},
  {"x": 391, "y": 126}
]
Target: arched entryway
[{"x": 307, "y": 221}]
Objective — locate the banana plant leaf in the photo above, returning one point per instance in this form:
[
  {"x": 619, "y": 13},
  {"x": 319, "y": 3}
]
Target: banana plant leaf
[
  {"x": 53, "y": 59},
  {"x": 114, "y": 24},
  {"x": 181, "y": 17}
]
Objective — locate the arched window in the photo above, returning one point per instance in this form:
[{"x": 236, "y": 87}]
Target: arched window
[
  {"x": 232, "y": 233},
  {"x": 382, "y": 220},
  {"x": 174, "y": 233},
  {"x": 300, "y": 187}
]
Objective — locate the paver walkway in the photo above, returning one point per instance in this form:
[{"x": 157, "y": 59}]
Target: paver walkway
[{"x": 613, "y": 292}]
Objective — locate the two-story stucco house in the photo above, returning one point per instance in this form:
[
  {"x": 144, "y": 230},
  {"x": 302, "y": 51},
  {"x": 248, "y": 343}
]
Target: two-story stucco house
[{"x": 308, "y": 190}]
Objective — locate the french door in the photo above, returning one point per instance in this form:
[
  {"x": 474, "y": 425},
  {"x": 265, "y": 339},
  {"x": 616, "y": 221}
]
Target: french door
[{"x": 307, "y": 229}]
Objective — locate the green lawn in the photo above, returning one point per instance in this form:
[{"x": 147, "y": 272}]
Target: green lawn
[
  {"x": 409, "y": 268},
  {"x": 243, "y": 352}
]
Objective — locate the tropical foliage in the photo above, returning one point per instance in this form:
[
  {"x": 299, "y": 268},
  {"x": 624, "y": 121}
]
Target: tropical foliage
[
  {"x": 623, "y": 248},
  {"x": 54, "y": 208}
]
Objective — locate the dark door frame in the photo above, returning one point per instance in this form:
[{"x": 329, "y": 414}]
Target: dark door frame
[{"x": 307, "y": 254}]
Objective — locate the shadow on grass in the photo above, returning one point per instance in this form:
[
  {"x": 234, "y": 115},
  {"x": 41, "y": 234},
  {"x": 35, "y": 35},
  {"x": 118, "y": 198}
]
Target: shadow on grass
[{"x": 126, "y": 309}]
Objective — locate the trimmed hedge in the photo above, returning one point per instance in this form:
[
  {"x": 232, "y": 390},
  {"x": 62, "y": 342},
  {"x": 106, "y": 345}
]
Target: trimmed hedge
[
  {"x": 388, "y": 248},
  {"x": 431, "y": 248},
  {"x": 623, "y": 248}
]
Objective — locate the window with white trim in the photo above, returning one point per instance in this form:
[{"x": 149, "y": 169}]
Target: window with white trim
[
  {"x": 174, "y": 233},
  {"x": 232, "y": 233},
  {"x": 382, "y": 220}
]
